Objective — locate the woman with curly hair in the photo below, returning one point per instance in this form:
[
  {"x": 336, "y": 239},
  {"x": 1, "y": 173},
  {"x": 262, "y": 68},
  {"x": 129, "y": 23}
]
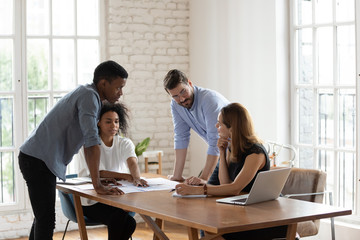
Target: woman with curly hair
[{"x": 118, "y": 161}]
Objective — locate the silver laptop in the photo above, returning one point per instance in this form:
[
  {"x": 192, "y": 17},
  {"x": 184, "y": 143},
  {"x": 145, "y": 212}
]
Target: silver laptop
[{"x": 267, "y": 186}]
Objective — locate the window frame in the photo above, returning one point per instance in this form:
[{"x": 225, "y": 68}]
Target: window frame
[
  {"x": 357, "y": 35},
  {"x": 20, "y": 90},
  {"x": 355, "y": 217}
]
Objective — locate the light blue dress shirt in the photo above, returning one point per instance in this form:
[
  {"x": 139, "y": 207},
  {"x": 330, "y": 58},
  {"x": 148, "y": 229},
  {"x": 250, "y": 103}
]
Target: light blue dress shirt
[
  {"x": 71, "y": 124},
  {"x": 202, "y": 118}
]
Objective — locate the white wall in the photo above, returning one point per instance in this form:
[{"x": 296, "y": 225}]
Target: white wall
[{"x": 240, "y": 48}]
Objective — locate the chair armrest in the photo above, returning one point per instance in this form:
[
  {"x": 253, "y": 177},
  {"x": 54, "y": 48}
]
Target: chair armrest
[
  {"x": 311, "y": 194},
  {"x": 303, "y": 194}
]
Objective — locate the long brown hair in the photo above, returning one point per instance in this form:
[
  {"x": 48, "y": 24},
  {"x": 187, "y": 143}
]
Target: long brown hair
[{"x": 237, "y": 117}]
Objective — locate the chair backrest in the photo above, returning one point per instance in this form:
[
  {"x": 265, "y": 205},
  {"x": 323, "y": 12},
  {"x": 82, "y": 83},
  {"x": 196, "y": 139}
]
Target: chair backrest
[
  {"x": 306, "y": 181},
  {"x": 281, "y": 154},
  {"x": 68, "y": 208},
  {"x": 302, "y": 181}
]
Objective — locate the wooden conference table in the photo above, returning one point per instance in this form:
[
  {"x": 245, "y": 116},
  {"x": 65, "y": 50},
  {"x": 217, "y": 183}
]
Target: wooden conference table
[{"x": 205, "y": 213}]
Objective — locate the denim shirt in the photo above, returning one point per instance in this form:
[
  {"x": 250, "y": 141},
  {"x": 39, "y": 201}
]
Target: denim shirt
[
  {"x": 71, "y": 124},
  {"x": 201, "y": 117}
]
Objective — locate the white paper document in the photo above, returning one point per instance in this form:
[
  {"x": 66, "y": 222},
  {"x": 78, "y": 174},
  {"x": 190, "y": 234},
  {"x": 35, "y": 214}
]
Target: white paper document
[
  {"x": 188, "y": 196},
  {"x": 75, "y": 181},
  {"x": 155, "y": 184}
]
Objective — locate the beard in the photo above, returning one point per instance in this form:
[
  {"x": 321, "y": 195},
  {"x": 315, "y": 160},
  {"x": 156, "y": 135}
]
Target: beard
[{"x": 187, "y": 103}]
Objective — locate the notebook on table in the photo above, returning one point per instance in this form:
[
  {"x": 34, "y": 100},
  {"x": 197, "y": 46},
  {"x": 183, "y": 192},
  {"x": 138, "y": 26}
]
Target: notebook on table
[{"x": 267, "y": 186}]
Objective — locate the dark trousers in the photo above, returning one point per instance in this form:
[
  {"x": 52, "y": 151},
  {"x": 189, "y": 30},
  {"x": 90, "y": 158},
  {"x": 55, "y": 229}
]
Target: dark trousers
[
  {"x": 259, "y": 234},
  {"x": 41, "y": 183},
  {"x": 119, "y": 223}
]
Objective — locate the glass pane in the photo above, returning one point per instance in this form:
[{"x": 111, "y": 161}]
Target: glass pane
[
  {"x": 326, "y": 117},
  {"x": 306, "y": 118},
  {"x": 304, "y": 12},
  {"x": 63, "y": 17},
  {"x": 7, "y": 179},
  {"x": 57, "y": 98},
  {"x": 88, "y": 59},
  {"x": 345, "y": 10},
  {"x": 325, "y": 57},
  {"x": 37, "y": 64},
  {"x": 347, "y": 118},
  {"x": 63, "y": 64},
  {"x": 6, "y": 17},
  {"x": 326, "y": 163},
  {"x": 305, "y": 56},
  {"x": 306, "y": 157},
  {"x": 346, "y": 55},
  {"x": 323, "y": 11},
  {"x": 88, "y": 17},
  {"x": 6, "y": 64},
  {"x": 37, "y": 109},
  {"x": 37, "y": 12},
  {"x": 6, "y": 122},
  {"x": 347, "y": 176}
]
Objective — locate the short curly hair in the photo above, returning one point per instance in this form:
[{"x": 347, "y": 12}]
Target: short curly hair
[{"x": 122, "y": 112}]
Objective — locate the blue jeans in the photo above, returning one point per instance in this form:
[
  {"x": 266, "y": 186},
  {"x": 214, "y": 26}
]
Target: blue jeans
[{"x": 41, "y": 183}]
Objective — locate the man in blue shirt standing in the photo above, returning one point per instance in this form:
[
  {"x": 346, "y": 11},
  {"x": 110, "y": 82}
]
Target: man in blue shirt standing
[
  {"x": 71, "y": 124},
  {"x": 194, "y": 108}
]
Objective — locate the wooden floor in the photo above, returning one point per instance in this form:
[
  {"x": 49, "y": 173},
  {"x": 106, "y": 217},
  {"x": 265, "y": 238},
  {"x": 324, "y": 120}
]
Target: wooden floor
[{"x": 172, "y": 230}]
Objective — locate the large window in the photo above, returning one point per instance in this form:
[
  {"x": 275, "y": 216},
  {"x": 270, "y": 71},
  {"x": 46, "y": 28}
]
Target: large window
[
  {"x": 324, "y": 92},
  {"x": 47, "y": 48}
]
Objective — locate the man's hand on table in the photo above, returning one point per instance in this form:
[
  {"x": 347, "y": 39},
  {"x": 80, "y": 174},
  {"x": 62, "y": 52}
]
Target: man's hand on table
[
  {"x": 108, "y": 190},
  {"x": 173, "y": 178},
  {"x": 195, "y": 181},
  {"x": 140, "y": 182}
]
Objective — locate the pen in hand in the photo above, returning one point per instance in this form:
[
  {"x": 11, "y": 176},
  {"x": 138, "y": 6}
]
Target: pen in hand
[{"x": 172, "y": 190}]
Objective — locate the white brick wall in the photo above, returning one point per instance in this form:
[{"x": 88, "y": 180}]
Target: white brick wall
[
  {"x": 148, "y": 38},
  {"x": 17, "y": 224}
]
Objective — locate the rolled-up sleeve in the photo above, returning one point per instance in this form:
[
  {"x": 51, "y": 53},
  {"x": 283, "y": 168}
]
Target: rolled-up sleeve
[
  {"x": 181, "y": 129},
  {"x": 89, "y": 107}
]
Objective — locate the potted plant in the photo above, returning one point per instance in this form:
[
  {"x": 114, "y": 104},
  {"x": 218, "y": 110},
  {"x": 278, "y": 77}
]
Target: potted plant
[{"x": 142, "y": 146}]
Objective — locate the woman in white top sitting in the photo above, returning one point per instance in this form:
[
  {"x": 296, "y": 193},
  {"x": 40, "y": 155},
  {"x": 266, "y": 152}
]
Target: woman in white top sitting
[{"x": 118, "y": 161}]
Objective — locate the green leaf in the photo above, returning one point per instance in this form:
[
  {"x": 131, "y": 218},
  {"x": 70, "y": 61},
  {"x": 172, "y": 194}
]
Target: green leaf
[{"x": 142, "y": 146}]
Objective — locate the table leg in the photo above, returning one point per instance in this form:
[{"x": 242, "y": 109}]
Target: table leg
[
  {"x": 193, "y": 233},
  {"x": 291, "y": 231},
  {"x": 159, "y": 160},
  {"x": 159, "y": 222},
  {"x": 146, "y": 164},
  {"x": 80, "y": 217},
  {"x": 155, "y": 227},
  {"x": 209, "y": 236}
]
